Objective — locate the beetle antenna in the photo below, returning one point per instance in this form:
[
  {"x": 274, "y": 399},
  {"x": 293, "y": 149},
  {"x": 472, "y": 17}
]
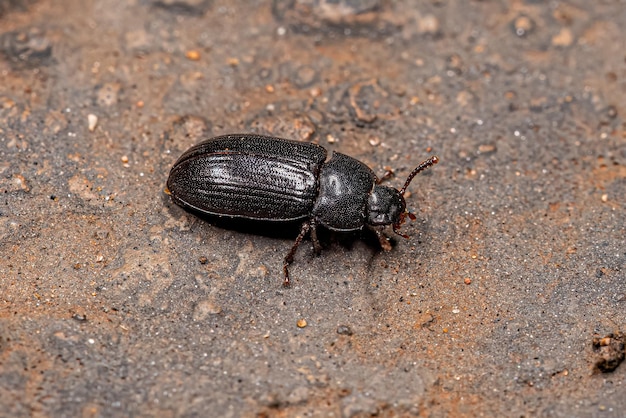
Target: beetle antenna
[{"x": 423, "y": 166}]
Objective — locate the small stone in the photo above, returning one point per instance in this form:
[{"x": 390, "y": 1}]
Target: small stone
[
  {"x": 486, "y": 148},
  {"x": 188, "y": 7},
  {"x": 301, "y": 323},
  {"x": 205, "y": 308},
  {"x": 315, "y": 92},
  {"x": 80, "y": 317},
  {"x": 467, "y": 280},
  {"x": 344, "y": 330},
  {"x": 424, "y": 320},
  {"x": 92, "y": 121},
  {"x": 298, "y": 396},
  {"x": 563, "y": 38},
  {"x": 20, "y": 183},
  {"x": 428, "y": 24},
  {"x": 605, "y": 198},
  {"x": 193, "y": 55},
  {"x": 6, "y": 103},
  {"x": 523, "y": 25}
]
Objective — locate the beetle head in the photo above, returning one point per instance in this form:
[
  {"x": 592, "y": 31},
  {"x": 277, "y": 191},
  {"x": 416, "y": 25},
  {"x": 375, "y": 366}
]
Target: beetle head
[{"x": 387, "y": 206}]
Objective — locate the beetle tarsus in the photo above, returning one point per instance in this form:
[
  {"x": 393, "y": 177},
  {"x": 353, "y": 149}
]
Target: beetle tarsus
[
  {"x": 286, "y": 281},
  {"x": 395, "y": 229},
  {"x": 289, "y": 258}
]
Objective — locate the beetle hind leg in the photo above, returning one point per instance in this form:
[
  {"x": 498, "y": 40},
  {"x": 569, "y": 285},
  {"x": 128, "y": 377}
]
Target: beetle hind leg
[{"x": 306, "y": 227}]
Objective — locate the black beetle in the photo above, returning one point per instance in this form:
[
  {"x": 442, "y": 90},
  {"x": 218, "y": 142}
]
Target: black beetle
[{"x": 278, "y": 180}]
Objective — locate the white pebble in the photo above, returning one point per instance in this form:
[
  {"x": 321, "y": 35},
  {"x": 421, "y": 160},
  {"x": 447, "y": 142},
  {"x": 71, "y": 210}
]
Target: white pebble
[{"x": 93, "y": 121}]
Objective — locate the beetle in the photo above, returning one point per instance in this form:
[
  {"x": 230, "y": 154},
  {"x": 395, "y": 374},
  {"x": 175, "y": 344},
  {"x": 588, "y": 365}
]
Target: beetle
[{"x": 264, "y": 178}]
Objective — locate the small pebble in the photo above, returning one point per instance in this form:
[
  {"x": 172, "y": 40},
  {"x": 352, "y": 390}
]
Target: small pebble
[
  {"x": 344, "y": 330},
  {"x": 605, "y": 198},
  {"x": 192, "y": 55},
  {"x": 79, "y": 317},
  {"x": 204, "y": 309},
  {"x": 315, "y": 92},
  {"x": 92, "y": 121},
  {"x": 523, "y": 25},
  {"x": 486, "y": 148},
  {"x": 125, "y": 159},
  {"x": 563, "y": 38},
  {"x": 428, "y": 24},
  {"x": 467, "y": 280},
  {"x": 301, "y": 323},
  {"x": 20, "y": 183}
]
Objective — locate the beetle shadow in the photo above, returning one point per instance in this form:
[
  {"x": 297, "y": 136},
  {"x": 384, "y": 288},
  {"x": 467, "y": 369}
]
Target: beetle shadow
[{"x": 282, "y": 230}]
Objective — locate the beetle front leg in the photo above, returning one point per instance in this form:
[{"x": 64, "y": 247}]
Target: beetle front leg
[
  {"x": 386, "y": 176},
  {"x": 382, "y": 238},
  {"x": 289, "y": 258}
]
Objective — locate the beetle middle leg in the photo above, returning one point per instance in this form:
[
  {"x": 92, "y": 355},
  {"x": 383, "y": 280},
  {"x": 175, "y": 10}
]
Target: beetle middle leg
[
  {"x": 306, "y": 227},
  {"x": 317, "y": 247}
]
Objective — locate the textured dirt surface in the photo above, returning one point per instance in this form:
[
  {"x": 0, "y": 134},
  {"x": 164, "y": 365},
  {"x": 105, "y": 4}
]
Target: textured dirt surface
[{"x": 505, "y": 301}]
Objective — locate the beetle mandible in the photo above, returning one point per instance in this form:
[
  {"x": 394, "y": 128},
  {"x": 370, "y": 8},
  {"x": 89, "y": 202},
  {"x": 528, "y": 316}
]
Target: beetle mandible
[{"x": 278, "y": 180}]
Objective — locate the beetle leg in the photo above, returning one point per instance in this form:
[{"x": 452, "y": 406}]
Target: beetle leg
[
  {"x": 289, "y": 258},
  {"x": 382, "y": 239},
  {"x": 386, "y": 175},
  {"x": 317, "y": 247}
]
